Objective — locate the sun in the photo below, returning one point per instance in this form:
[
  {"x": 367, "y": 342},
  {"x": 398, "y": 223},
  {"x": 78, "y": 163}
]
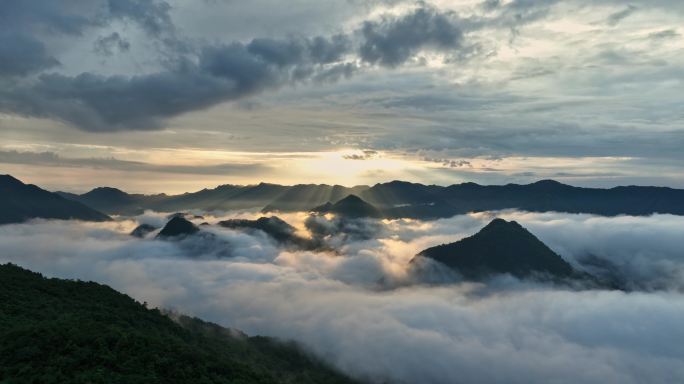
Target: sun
[{"x": 353, "y": 166}]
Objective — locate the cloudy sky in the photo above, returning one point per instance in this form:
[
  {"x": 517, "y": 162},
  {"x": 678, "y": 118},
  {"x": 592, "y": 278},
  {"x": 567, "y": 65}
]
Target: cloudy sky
[{"x": 178, "y": 95}]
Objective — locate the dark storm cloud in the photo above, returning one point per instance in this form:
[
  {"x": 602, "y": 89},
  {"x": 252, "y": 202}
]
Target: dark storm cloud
[
  {"x": 336, "y": 72},
  {"x": 69, "y": 17},
  {"x": 107, "y": 45},
  {"x": 392, "y": 41},
  {"x": 221, "y": 73},
  {"x": 73, "y": 17},
  {"x": 21, "y": 55},
  {"x": 23, "y": 25},
  {"x": 196, "y": 76},
  {"x": 153, "y": 16},
  {"x": 98, "y": 103},
  {"x": 318, "y": 50}
]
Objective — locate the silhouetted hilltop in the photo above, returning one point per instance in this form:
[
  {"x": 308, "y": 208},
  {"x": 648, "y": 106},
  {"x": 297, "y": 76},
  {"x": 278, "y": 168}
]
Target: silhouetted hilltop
[
  {"x": 20, "y": 202},
  {"x": 350, "y": 206},
  {"x": 142, "y": 230},
  {"x": 273, "y": 226},
  {"x": 115, "y": 201},
  {"x": 178, "y": 226},
  {"x": 500, "y": 247},
  {"x": 277, "y": 228},
  {"x": 402, "y": 192},
  {"x": 302, "y": 197}
]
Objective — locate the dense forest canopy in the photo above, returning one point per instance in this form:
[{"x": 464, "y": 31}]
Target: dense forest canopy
[{"x": 58, "y": 331}]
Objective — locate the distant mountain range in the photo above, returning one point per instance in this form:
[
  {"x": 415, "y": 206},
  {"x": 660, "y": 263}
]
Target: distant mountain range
[
  {"x": 20, "y": 202},
  {"x": 114, "y": 201},
  {"x": 401, "y": 199}
]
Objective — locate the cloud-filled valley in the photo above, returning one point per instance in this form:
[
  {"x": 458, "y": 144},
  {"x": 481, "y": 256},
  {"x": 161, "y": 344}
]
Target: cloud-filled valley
[{"x": 362, "y": 308}]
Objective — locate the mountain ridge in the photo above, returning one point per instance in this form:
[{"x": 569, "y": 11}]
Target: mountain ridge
[
  {"x": 20, "y": 202},
  {"x": 398, "y": 199}
]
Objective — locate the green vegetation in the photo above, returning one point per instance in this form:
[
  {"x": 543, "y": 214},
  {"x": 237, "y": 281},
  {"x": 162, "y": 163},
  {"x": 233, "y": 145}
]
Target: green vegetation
[{"x": 62, "y": 331}]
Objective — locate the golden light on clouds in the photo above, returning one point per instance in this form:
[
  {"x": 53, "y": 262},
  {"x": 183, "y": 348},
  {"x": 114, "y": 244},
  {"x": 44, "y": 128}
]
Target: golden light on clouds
[{"x": 79, "y": 168}]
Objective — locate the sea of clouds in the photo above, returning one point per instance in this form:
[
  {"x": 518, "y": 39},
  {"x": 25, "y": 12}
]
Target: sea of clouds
[{"x": 360, "y": 307}]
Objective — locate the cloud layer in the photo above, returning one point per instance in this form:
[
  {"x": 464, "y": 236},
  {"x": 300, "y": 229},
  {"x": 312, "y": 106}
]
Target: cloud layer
[
  {"x": 197, "y": 74},
  {"x": 361, "y": 310}
]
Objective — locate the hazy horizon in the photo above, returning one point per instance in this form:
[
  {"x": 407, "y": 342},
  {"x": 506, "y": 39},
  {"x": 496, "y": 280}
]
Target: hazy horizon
[{"x": 85, "y": 188}]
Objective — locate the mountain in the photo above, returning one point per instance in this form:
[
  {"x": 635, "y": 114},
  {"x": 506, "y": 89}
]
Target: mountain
[
  {"x": 178, "y": 226},
  {"x": 351, "y": 206},
  {"x": 223, "y": 198},
  {"x": 142, "y": 230},
  {"x": 20, "y": 202},
  {"x": 115, "y": 201},
  {"x": 401, "y": 193},
  {"x": 550, "y": 195},
  {"x": 302, "y": 197},
  {"x": 500, "y": 247},
  {"x": 62, "y": 331},
  {"x": 399, "y": 199},
  {"x": 275, "y": 227}
]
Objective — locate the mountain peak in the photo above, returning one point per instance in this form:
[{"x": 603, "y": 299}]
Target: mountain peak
[
  {"x": 350, "y": 206},
  {"x": 500, "y": 247},
  {"x": 351, "y": 199},
  {"x": 142, "y": 230},
  {"x": 21, "y": 202},
  {"x": 9, "y": 181},
  {"x": 178, "y": 226},
  {"x": 499, "y": 224},
  {"x": 397, "y": 183},
  {"x": 272, "y": 226},
  {"x": 548, "y": 183},
  {"x": 105, "y": 191},
  {"x": 265, "y": 184}
]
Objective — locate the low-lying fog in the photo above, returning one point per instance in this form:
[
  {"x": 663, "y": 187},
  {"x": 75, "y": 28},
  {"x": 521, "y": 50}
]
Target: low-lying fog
[{"x": 361, "y": 309}]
